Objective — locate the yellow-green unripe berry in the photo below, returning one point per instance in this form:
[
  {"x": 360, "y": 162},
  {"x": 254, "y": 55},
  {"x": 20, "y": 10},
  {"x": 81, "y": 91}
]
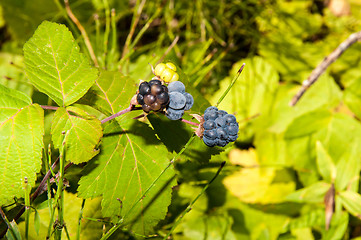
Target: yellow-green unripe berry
[
  {"x": 159, "y": 69},
  {"x": 175, "y": 77},
  {"x": 171, "y": 66},
  {"x": 167, "y": 74}
]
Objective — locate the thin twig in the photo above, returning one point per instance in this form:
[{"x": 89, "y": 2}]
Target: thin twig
[
  {"x": 128, "y": 109},
  {"x": 83, "y": 32},
  {"x": 189, "y": 122},
  {"x": 171, "y": 46},
  {"x": 139, "y": 117},
  {"x": 49, "y": 107},
  {"x": 316, "y": 73}
]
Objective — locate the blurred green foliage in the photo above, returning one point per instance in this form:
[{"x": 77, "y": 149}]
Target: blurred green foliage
[{"x": 286, "y": 158}]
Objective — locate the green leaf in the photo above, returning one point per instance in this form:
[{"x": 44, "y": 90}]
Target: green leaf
[
  {"x": 314, "y": 193},
  {"x": 130, "y": 159},
  {"x": 83, "y": 133},
  {"x": 308, "y": 123},
  {"x": 351, "y": 201},
  {"x": 338, "y": 227},
  {"x": 348, "y": 167},
  {"x": 12, "y": 99},
  {"x": 324, "y": 94},
  {"x": 253, "y": 92},
  {"x": 352, "y": 96},
  {"x": 21, "y": 138},
  {"x": 212, "y": 226},
  {"x": 315, "y": 217},
  {"x": 13, "y": 234},
  {"x": 55, "y": 66},
  {"x": 111, "y": 92},
  {"x": 325, "y": 165}
]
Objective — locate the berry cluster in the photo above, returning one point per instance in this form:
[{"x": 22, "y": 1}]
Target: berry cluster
[
  {"x": 166, "y": 72},
  {"x": 179, "y": 100},
  {"x": 220, "y": 128},
  {"x": 152, "y": 95}
]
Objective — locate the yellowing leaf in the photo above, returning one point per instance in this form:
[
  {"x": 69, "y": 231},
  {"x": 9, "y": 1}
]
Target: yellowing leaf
[
  {"x": 255, "y": 184},
  {"x": 246, "y": 158}
]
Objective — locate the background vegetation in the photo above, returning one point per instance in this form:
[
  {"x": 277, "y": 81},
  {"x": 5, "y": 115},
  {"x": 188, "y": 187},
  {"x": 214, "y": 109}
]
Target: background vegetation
[{"x": 293, "y": 173}]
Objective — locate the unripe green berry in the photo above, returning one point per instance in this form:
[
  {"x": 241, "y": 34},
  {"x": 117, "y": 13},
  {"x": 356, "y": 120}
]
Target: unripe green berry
[
  {"x": 171, "y": 66},
  {"x": 167, "y": 75},
  {"x": 175, "y": 77},
  {"x": 159, "y": 69}
]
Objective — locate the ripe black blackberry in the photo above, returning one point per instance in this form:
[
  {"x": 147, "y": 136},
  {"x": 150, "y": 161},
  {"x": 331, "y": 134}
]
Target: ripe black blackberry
[{"x": 153, "y": 96}]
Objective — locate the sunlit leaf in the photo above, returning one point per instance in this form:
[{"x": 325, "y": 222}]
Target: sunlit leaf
[
  {"x": 55, "y": 66},
  {"x": 111, "y": 92},
  {"x": 82, "y": 133},
  {"x": 21, "y": 138},
  {"x": 351, "y": 201},
  {"x": 314, "y": 193},
  {"x": 264, "y": 189},
  {"x": 325, "y": 165},
  {"x": 352, "y": 96},
  {"x": 308, "y": 123}
]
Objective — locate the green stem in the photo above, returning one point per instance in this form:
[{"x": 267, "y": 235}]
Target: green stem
[
  {"x": 98, "y": 48},
  {"x": 145, "y": 27},
  {"x": 112, "y": 53},
  {"x": 119, "y": 223},
  {"x": 136, "y": 16},
  {"x": 194, "y": 200},
  {"x": 107, "y": 30},
  {"x": 59, "y": 192},
  {"x": 27, "y": 207},
  {"x": 66, "y": 232},
  {"x": 231, "y": 85},
  {"x": 79, "y": 220}
]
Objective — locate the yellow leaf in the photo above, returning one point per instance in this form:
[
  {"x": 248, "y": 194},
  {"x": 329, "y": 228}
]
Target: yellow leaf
[
  {"x": 254, "y": 183},
  {"x": 246, "y": 158}
]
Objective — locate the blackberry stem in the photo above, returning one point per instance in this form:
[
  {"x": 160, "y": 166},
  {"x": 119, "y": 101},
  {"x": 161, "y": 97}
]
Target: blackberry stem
[
  {"x": 189, "y": 122},
  {"x": 128, "y": 109}
]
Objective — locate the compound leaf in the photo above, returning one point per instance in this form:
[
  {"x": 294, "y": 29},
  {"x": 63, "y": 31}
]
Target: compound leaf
[
  {"x": 21, "y": 141},
  {"x": 83, "y": 133},
  {"x": 55, "y": 66}
]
